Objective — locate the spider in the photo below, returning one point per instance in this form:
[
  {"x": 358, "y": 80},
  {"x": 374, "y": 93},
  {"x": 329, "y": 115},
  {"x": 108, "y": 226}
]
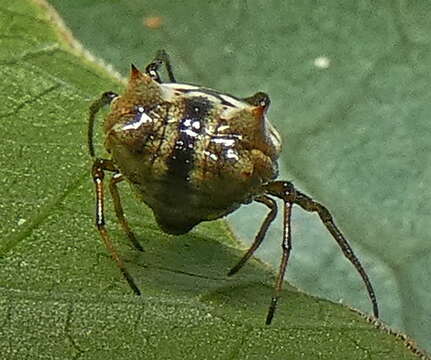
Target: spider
[{"x": 195, "y": 154}]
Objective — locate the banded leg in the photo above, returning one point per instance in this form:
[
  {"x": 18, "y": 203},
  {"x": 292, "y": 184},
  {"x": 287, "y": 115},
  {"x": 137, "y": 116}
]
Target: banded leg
[
  {"x": 286, "y": 191},
  {"x": 286, "y": 247},
  {"x": 98, "y": 172},
  {"x": 272, "y": 205},
  {"x": 115, "y": 179},
  {"x": 95, "y": 107},
  {"x": 153, "y": 68}
]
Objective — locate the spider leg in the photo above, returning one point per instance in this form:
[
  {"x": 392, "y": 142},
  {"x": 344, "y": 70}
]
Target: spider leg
[
  {"x": 153, "y": 68},
  {"x": 272, "y": 205},
  {"x": 105, "y": 99},
  {"x": 115, "y": 179},
  {"x": 286, "y": 191},
  {"x": 286, "y": 247},
  {"x": 98, "y": 172}
]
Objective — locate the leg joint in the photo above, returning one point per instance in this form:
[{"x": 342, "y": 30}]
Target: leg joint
[
  {"x": 100, "y": 165},
  {"x": 284, "y": 190}
]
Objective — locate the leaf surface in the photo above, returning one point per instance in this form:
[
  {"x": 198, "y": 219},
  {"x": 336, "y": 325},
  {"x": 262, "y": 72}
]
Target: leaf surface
[
  {"x": 349, "y": 85},
  {"x": 61, "y": 296}
]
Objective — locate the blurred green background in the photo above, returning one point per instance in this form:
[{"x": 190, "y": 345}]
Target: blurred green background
[{"x": 350, "y": 86}]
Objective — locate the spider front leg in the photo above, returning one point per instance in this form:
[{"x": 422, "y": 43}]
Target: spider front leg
[
  {"x": 287, "y": 192},
  {"x": 115, "y": 179},
  {"x": 272, "y": 205},
  {"x": 286, "y": 246},
  {"x": 98, "y": 172},
  {"x": 153, "y": 68},
  {"x": 95, "y": 107}
]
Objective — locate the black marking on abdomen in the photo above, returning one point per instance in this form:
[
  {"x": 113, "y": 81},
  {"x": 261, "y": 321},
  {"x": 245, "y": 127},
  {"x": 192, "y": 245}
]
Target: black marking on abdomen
[
  {"x": 190, "y": 127},
  {"x": 222, "y": 97}
]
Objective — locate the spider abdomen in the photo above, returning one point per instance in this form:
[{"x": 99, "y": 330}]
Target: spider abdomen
[{"x": 191, "y": 154}]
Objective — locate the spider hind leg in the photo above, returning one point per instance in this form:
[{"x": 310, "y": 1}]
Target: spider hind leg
[{"x": 287, "y": 192}]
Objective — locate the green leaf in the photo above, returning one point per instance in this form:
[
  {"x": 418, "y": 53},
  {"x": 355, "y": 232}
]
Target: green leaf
[{"x": 61, "y": 296}]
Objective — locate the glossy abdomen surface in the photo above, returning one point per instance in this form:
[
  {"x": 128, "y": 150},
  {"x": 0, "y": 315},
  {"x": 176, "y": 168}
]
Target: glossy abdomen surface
[{"x": 191, "y": 154}]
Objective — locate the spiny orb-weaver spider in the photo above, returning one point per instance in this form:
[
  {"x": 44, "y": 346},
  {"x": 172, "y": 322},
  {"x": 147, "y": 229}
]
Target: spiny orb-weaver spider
[{"x": 195, "y": 154}]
